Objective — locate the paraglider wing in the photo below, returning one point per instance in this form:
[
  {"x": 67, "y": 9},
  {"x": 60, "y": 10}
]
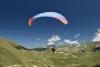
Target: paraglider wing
[
  {"x": 49, "y": 14},
  {"x": 30, "y": 22}
]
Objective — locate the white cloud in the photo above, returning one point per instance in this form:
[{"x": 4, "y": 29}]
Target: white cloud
[
  {"x": 38, "y": 39},
  {"x": 71, "y": 42},
  {"x": 53, "y": 39},
  {"x": 77, "y": 35},
  {"x": 97, "y": 36},
  {"x": 50, "y": 43}
]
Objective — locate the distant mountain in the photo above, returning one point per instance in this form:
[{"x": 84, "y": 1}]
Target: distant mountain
[
  {"x": 35, "y": 49},
  {"x": 39, "y": 49},
  {"x": 98, "y": 42},
  {"x": 22, "y": 48}
]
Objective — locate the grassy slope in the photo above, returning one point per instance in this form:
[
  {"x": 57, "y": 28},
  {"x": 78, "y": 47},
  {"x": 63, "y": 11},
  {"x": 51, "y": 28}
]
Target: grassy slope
[{"x": 10, "y": 56}]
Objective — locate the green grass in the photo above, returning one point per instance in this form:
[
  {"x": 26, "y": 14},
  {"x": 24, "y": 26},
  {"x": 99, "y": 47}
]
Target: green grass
[{"x": 10, "y": 56}]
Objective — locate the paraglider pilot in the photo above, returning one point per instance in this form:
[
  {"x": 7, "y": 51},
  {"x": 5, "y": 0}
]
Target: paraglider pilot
[{"x": 53, "y": 49}]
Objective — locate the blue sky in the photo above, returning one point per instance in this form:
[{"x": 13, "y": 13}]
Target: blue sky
[{"x": 83, "y": 16}]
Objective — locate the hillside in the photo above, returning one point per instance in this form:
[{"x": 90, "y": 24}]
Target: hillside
[{"x": 10, "y": 56}]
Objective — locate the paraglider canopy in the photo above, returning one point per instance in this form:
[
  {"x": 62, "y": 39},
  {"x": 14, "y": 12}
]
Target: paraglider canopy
[{"x": 49, "y": 14}]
